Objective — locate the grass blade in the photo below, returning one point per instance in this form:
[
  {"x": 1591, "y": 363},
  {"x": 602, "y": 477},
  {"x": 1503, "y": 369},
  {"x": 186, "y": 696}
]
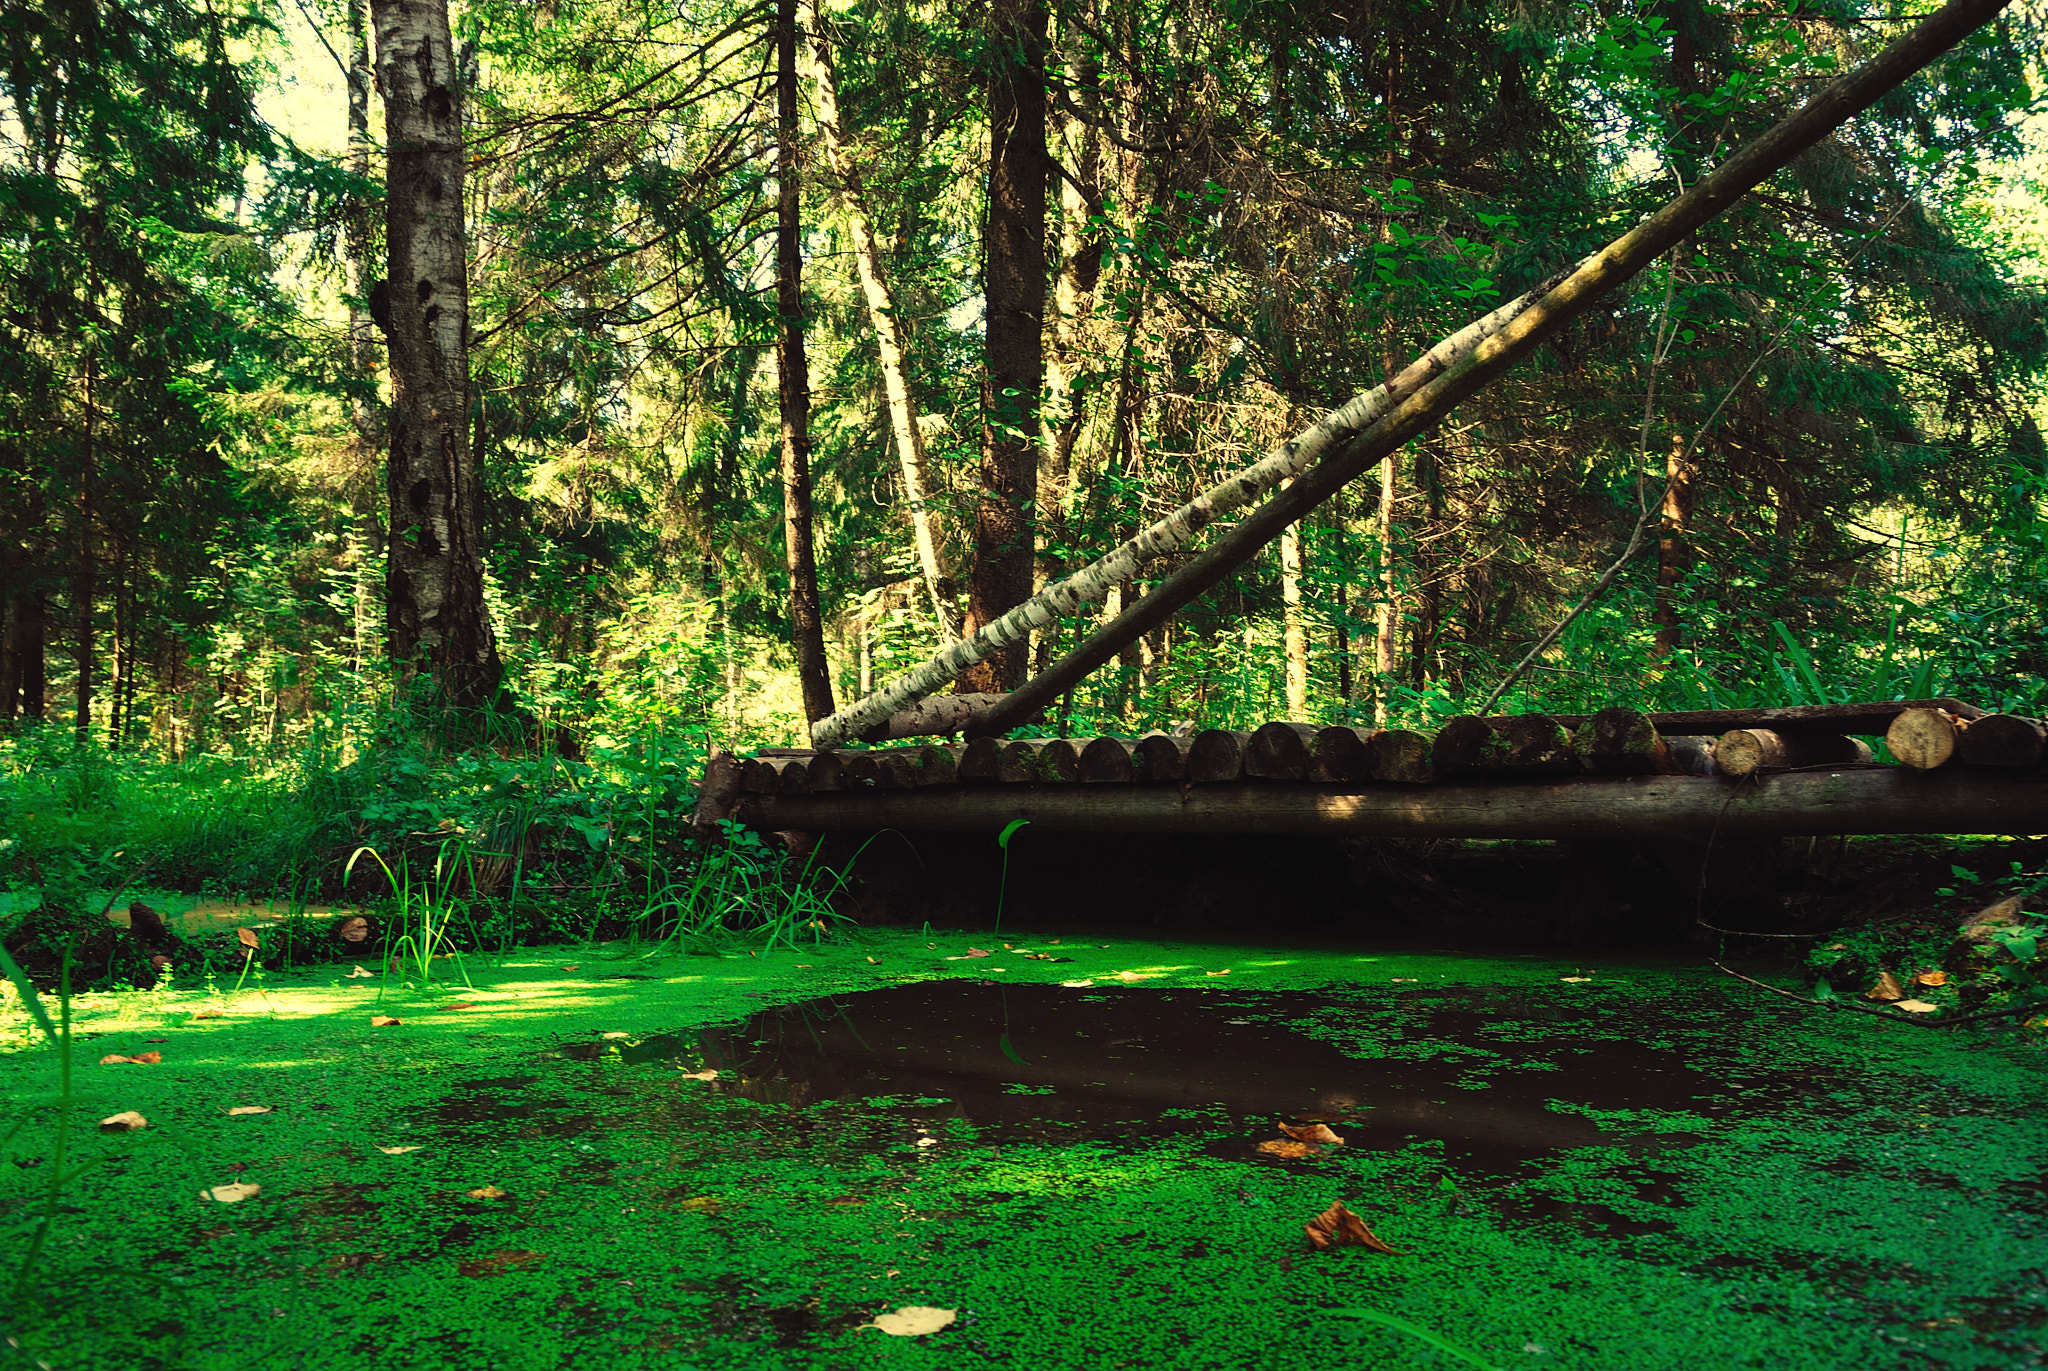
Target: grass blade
[{"x": 28, "y": 995}]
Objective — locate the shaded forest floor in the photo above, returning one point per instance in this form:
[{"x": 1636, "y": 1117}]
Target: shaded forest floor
[{"x": 1639, "y": 1164}]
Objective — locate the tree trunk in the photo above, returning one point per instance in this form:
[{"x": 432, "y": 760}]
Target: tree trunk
[
  {"x": 83, "y": 585},
  {"x": 365, "y": 414},
  {"x": 1015, "y": 371},
  {"x": 1294, "y": 628},
  {"x": 806, "y": 617},
  {"x": 1387, "y": 616},
  {"x": 1672, "y": 559},
  {"x": 434, "y": 589},
  {"x": 867, "y": 260}
]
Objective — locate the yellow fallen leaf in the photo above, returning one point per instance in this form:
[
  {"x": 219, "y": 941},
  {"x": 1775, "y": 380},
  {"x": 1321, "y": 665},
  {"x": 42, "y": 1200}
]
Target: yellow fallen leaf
[
  {"x": 1076, "y": 985},
  {"x": 360, "y": 973},
  {"x": 209, "y": 1012},
  {"x": 1224, "y": 972},
  {"x": 1284, "y": 1147},
  {"x": 384, "y": 1021},
  {"x": 1139, "y": 975},
  {"x": 1574, "y": 980},
  {"x": 1887, "y": 988},
  {"x": 250, "y": 1109},
  {"x": 234, "y": 1192},
  {"x": 1312, "y": 1133},
  {"x": 704, "y": 1204},
  {"x": 1932, "y": 978},
  {"x": 572, "y": 966},
  {"x": 395, "y": 1151},
  {"x": 873, "y": 961},
  {"x": 1915, "y": 1006},
  {"x": 487, "y": 1192},
  {"x": 1339, "y": 1227},
  {"x": 139, "y": 1059},
  {"x": 127, "y": 1121},
  {"x": 707, "y": 1074},
  {"x": 912, "y": 1321}
]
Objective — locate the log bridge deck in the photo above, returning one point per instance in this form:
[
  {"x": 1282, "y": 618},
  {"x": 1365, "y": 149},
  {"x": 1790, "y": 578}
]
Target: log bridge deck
[{"x": 1620, "y": 773}]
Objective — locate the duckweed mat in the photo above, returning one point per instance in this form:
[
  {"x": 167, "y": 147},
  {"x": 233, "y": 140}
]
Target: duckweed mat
[{"x": 596, "y": 1158}]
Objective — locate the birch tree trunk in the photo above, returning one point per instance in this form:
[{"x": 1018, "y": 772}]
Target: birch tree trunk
[
  {"x": 874, "y": 286},
  {"x": 1015, "y": 372},
  {"x": 806, "y": 615},
  {"x": 1387, "y": 615},
  {"x": 1294, "y": 630},
  {"x": 434, "y": 588}
]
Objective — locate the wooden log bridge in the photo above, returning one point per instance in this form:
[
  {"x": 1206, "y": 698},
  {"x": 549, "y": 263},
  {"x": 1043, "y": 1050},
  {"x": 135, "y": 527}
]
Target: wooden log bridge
[{"x": 1619, "y": 773}]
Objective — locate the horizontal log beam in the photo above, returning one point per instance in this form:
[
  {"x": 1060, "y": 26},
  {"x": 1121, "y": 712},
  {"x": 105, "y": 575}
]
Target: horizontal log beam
[{"x": 1815, "y": 803}]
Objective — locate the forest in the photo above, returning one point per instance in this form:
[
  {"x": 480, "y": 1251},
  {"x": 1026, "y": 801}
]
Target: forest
[{"x": 431, "y": 431}]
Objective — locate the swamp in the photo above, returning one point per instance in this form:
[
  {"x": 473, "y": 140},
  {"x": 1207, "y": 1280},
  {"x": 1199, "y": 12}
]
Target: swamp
[{"x": 841, "y": 683}]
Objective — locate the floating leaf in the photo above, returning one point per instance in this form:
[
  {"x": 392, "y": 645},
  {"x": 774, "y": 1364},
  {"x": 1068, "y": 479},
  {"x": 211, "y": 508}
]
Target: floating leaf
[
  {"x": 705, "y": 1204},
  {"x": 234, "y": 1192},
  {"x": 1932, "y": 978},
  {"x": 1284, "y": 1147},
  {"x": 395, "y": 1151},
  {"x": 709, "y": 1073},
  {"x": 209, "y": 1012},
  {"x": 360, "y": 973},
  {"x": 499, "y": 1262},
  {"x": 1312, "y": 1133},
  {"x": 1574, "y": 980},
  {"x": 572, "y": 966},
  {"x": 1077, "y": 985},
  {"x": 459, "y": 1004},
  {"x": 1337, "y": 1226},
  {"x": 1915, "y": 1006},
  {"x": 912, "y": 1321},
  {"x": 1224, "y": 972},
  {"x": 241, "y": 1109},
  {"x": 139, "y": 1059},
  {"x": 486, "y": 1192},
  {"x": 247, "y": 938},
  {"x": 384, "y": 1021},
  {"x": 354, "y": 930},
  {"x": 1139, "y": 975},
  {"x": 127, "y": 1121},
  {"x": 1887, "y": 988}
]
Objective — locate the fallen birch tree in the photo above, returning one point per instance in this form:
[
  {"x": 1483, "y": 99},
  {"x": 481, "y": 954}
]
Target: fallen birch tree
[{"x": 1356, "y": 437}]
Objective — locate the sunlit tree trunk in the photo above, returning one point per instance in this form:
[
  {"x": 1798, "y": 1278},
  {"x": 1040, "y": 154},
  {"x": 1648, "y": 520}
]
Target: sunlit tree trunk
[
  {"x": 806, "y": 617},
  {"x": 434, "y": 589},
  {"x": 1672, "y": 553},
  {"x": 365, "y": 414},
  {"x": 874, "y": 285},
  {"x": 1294, "y": 628},
  {"x": 1015, "y": 372},
  {"x": 1387, "y": 615}
]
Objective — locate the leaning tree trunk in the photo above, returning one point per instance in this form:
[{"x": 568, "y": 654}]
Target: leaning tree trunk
[
  {"x": 867, "y": 260},
  {"x": 1015, "y": 372},
  {"x": 806, "y": 616},
  {"x": 434, "y": 588}
]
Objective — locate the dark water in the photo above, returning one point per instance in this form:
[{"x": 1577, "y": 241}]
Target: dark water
[{"x": 1493, "y": 1077}]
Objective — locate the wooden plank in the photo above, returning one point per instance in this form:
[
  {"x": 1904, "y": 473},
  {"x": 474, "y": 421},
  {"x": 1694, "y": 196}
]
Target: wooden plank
[
  {"x": 1217, "y": 755},
  {"x": 1109, "y": 761},
  {"x": 1161, "y": 757},
  {"x": 1871, "y": 718},
  {"x": 1801, "y": 803},
  {"x": 1340, "y": 753},
  {"x": 1746, "y": 751},
  {"x": 1279, "y": 751},
  {"x": 2004, "y": 740}
]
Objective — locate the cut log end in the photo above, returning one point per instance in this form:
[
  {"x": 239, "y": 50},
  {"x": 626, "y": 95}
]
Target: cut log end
[{"x": 1923, "y": 738}]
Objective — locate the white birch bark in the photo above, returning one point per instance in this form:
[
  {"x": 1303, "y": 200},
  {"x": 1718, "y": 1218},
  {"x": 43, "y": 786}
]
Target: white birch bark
[
  {"x": 1093, "y": 581},
  {"x": 867, "y": 259}
]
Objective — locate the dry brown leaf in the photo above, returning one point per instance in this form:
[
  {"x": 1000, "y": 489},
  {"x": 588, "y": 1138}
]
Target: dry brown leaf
[
  {"x": 499, "y": 1262},
  {"x": 460, "y": 1004},
  {"x": 1915, "y": 1006},
  {"x": 360, "y": 973},
  {"x": 1574, "y": 980},
  {"x": 1284, "y": 1147},
  {"x": 487, "y": 1192},
  {"x": 139, "y": 1059},
  {"x": 980, "y": 952},
  {"x": 573, "y": 966},
  {"x": 384, "y": 1021},
  {"x": 241, "y": 1109},
  {"x": 395, "y": 1151},
  {"x": 247, "y": 937},
  {"x": 1339, "y": 1227},
  {"x": 707, "y": 1074},
  {"x": 1887, "y": 988},
  {"x": 1312, "y": 1133},
  {"x": 209, "y": 1012},
  {"x": 1932, "y": 978},
  {"x": 127, "y": 1121},
  {"x": 912, "y": 1321},
  {"x": 354, "y": 930},
  {"x": 234, "y": 1192},
  {"x": 704, "y": 1204},
  {"x": 1139, "y": 975}
]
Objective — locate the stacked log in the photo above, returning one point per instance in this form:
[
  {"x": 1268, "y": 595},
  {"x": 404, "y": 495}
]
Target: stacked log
[
  {"x": 2006, "y": 740},
  {"x": 1746, "y": 751},
  {"x": 1217, "y": 755},
  {"x": 1280, "y": 752}
]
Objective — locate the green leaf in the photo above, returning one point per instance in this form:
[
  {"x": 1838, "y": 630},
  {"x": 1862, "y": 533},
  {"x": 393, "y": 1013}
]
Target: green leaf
[
  {"x": 1008, "y": 1051},
  {"x": 1009, "y": 831},
  {"x": 1417, "y": 1332},
  {"x": 28, "y": 995}
]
